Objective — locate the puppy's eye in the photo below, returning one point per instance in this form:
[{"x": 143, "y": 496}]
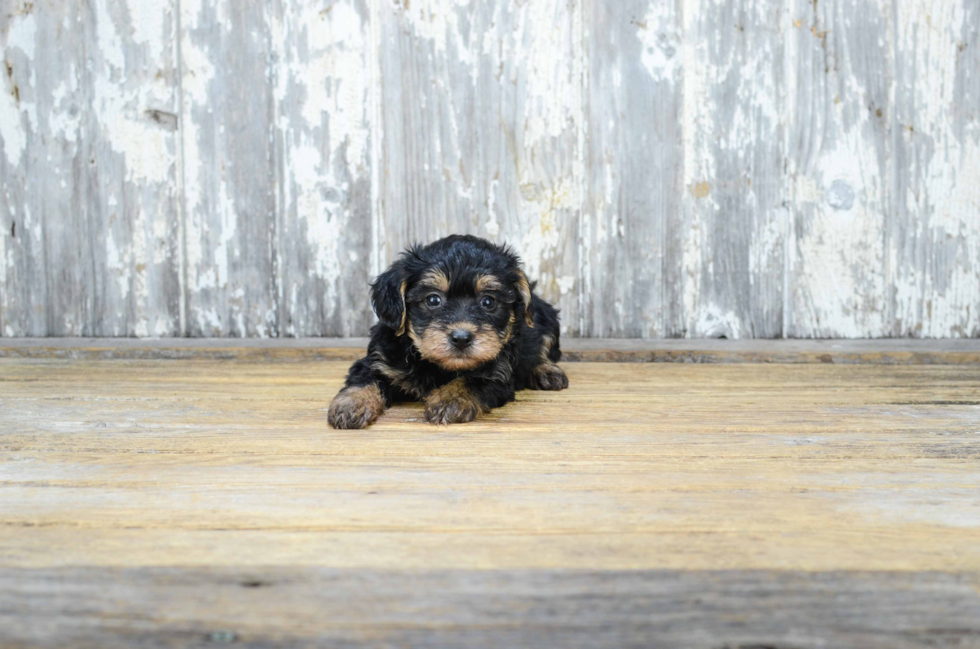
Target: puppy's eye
[
  {"x": 433, "y": 300},
  {"x": 488, "y": 302}
]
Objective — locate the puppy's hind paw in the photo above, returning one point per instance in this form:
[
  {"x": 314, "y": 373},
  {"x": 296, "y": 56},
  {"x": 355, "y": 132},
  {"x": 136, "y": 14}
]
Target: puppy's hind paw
[
  {"x": 549, "y": 376},
  {"x": 356, "y": 407}
]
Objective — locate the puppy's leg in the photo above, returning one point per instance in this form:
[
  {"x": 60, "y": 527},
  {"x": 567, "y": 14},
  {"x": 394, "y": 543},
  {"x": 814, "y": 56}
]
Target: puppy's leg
[
  {"x": 546, "y": 375},
  {"x": 453, "y": 403},
  {"x": 356, "y": 407},
  {"x": 361, "y": 401},
  {"x": 462, "y": 399}
]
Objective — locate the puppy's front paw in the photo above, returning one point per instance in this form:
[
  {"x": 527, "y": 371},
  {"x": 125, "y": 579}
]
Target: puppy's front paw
[
  {"x": 453, "y": 403},
  {"x": 356, "y": 407},
  {"x": 549, "y": 376}
]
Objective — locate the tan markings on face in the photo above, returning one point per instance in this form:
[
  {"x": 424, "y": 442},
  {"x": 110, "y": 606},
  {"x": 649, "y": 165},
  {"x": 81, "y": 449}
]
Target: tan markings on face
[
  {"x": 452, "y": 403},
  {"x": 488, "y": 283},
  {"x": 356, "y": 407},
  {"x": 524, "y": 289},
  {"x": 434, "y": 345},
  {"x": 436, "y": 279}
]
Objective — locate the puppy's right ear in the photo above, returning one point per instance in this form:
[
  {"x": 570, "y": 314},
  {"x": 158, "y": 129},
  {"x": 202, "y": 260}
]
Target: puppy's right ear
[{"x": 388, "y": 297}]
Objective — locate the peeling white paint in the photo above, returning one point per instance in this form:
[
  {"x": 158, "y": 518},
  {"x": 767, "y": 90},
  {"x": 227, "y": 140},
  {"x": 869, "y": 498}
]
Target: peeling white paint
[
  {"x": 324, "y": 220},
  {"x": 842, "y": 250},
  {"x": 327, "y": 147},
  {"x": 712, "y": 322},
  {"x": 121, "y": 111},
  {"x": 840, "y": 262},
  {"x": 5, "y": 264},
  {"x": 198, "y": 73},
  {"x": 335, "y": 42},
  {"x": 806, "y": 190},
  {"x": 147, "y": 27},
  {"x": 540, "y": 208},
  {"x": 65, "y": 121},
  {"x": 117, "y": 263},
  {"x": 109, "y": 43},
  {"x": 661, "y": 43},
  {"x": 566, "y": 283},
  {"x": 553, "y": 104},
  {"x": 937, "y": 278},
  {"x": 953, "y": 309},
  {"x": 22, "y": 34},
  {"x": 492, "y": 226},
  {"x": 20, "y": 38},
  {"x": 12, "y": 135},
  {"x": 501, "y": 134},
  {"x": 438, "y": 22}
]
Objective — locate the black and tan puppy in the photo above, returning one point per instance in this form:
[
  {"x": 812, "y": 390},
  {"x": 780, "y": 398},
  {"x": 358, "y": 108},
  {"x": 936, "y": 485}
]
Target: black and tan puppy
[{"x": 460, "y": 329}]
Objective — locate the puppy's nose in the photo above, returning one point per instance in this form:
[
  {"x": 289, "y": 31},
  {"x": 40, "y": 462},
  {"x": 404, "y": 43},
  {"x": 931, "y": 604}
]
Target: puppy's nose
[{"x": 461, "y": 339}]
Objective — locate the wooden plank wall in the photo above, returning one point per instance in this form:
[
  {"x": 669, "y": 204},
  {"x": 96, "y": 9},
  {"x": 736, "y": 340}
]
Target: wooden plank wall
[{"x": 702, "y": 168}]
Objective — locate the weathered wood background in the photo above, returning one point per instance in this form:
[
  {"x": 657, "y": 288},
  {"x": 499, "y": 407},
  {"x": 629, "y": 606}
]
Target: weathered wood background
[{"x": 746, "y": 168}]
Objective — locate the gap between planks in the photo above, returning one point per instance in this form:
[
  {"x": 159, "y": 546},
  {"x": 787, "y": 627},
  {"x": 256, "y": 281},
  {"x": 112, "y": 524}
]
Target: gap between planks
[{"x": 847, "y": 352}]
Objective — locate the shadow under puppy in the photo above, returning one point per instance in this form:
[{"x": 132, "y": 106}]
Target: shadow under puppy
[{"x": 460, "y": 329}]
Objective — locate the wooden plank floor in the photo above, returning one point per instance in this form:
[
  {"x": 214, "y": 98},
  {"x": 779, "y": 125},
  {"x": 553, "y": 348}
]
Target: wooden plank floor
[
  {"x": 194, "y": 502},
  {"x": 891, "y": 351}
]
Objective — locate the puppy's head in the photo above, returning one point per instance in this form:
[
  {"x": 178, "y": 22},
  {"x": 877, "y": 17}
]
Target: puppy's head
[{"x": 460, "y": 300}]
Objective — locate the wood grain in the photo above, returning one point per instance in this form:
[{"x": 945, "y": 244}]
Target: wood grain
[
  {"x": 697, "y": 168},
  {"x": 841, "y": 352},
  {"x": 292, "y": 607},
  {"x": 734, "y": 205},
  {"x": 841, "y": 161},
  {"x": 229, "y": 170},
  {"x": 164, "y": 503},
  {"x": 322, "y": 80},
  {"x": 630, "y": 274},
  {"x": 90, "y": 216},
  {"x": 180, "y": 502},
  {"x": 204, "y": 463},
  {"x": 936, "y": 133},
  {"x": 482, "y": 112}
]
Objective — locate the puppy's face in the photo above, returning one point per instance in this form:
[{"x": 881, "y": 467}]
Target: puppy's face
[
  {"x": 460, "y": 322},
  {"x": 460, "y": 300}
]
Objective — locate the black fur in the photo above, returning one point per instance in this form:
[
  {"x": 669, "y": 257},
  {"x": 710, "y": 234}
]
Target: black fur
[{"x": 402, "y": 298}]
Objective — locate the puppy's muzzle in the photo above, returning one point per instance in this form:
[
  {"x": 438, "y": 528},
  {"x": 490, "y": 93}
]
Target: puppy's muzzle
[{"x": 461, "y": 339}]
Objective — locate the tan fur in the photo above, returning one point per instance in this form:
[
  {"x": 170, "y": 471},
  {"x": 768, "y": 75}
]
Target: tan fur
[
  {"x": 356, "y": 407},
  {"x": 381, "y": 366},
  {"x": 436, "y": 279},
  {"x": 434, "y": 346},
  {"x": 453, "y": 403},
  {"x": 524, "y": 289},
  {"x": 401, "y": 328},
  {"x": 396, "y": 376},
  {"x": 416, "y": 339},
  {"x": 509, "y": 331},
  {"x": 547, "y": 342},
  {"x": 488, "y": 283}
]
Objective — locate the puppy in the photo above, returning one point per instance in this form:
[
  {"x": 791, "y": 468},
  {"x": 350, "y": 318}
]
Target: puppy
[{"x": 460, "y": 329}]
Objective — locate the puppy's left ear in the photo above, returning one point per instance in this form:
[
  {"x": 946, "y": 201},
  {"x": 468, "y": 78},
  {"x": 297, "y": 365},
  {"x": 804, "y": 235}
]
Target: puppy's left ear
[
  {"x": 388, "y": 297},
  {"x": 524, "y": 291}
]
